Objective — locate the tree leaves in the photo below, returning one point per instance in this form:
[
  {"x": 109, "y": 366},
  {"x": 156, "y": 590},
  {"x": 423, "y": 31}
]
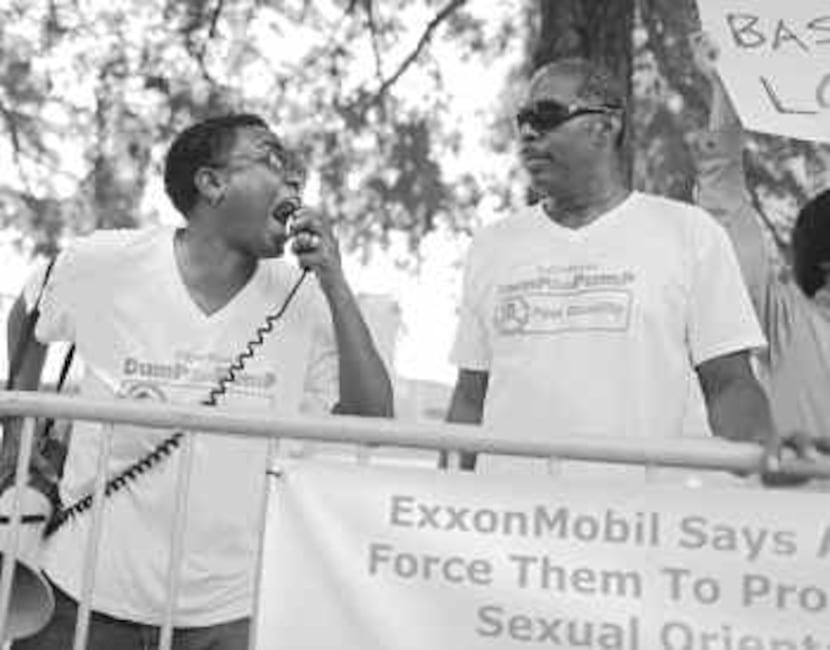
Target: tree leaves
[
  {"x": 92, "y": 93},
  {"x": 130, "y": 73}
]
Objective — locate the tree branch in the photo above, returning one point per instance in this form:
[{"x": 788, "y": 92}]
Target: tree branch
[
  {"x": 17, "y": 148},
  {"x": 200, "y": 54},
  {"x": 214, "y": 20},
  {"x": 433, "y": 24},
  {"x": 373, "y": 34}
]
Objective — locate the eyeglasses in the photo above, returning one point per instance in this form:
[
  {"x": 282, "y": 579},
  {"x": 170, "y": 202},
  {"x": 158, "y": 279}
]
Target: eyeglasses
[
  {"x": 546, "y": 114},
  {"x": 273, "y": 158}
]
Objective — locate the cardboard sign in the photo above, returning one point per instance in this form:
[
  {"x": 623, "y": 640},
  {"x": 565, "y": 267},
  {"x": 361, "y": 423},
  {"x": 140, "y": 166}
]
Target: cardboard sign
[
  {"x": 366, "y": 558},
  {"x": 775, "y": 62}
]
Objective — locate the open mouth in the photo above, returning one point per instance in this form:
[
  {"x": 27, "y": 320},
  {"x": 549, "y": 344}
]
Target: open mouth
[{"x": 284, "y": 209}]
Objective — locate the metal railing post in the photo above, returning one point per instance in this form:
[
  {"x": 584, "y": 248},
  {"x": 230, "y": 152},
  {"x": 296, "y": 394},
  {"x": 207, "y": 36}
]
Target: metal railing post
[
  {"x": 93, "y": 539},
  {"x": 453, "y": 461},
  {"x": 185, "y": 471},
  {"x": 554, "y": 467},
  {"x": 24, "y": 457},
  {"x": 270, "y": 459},
  {"x": 363, "y": 455}
]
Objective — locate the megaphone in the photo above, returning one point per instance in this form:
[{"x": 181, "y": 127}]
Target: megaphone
[{"x": 32, "y": 602}]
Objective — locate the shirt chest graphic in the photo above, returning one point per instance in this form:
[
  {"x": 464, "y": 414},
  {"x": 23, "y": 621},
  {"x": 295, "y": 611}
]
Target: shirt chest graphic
[
  {"x": 189, "y": 376},
  {"x": 553, "y": 299}
]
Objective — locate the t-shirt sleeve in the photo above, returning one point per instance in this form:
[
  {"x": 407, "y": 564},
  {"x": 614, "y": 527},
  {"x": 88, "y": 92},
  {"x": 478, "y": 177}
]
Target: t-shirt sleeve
[
  {"x": 321, "y": 388},
  {"x": 721, "y": 318},
  {"x": 471, "y": 348},
  {"x": 56, "y": 321}
]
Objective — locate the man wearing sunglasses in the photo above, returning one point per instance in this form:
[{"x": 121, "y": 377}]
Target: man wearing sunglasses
[
  {"x": 161, "y": 314},
  {"x": 591, "y": 312}
]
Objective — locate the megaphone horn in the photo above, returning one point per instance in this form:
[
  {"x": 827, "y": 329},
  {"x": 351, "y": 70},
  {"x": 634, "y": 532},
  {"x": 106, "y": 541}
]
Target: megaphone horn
[{"x": 31, "y": 602}]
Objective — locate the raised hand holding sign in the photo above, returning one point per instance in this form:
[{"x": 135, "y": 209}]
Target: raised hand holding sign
[{"x": 775, "y": 63}]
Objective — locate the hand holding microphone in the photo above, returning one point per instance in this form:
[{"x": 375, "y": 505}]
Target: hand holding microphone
[{"x": 313, "y": 242}]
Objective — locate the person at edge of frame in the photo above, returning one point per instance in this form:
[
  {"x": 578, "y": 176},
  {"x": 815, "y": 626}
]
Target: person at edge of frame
[{"x": 792, "y": 303}]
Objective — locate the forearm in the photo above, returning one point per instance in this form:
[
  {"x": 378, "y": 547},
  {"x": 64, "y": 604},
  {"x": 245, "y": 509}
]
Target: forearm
[
  {"x": 365, "y": 387},
  {"x": 464, "y": 410},
  {"x": 718, "y": 154},
  {"x": 740, "y": 411},
  {"x": 723, "y": 193},
  {"x": 467, "y": 406},
  {"x": 721, "y": 178}
]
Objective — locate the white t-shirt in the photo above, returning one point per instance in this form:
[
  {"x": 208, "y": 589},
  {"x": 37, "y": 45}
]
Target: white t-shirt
[
  {"x": 119, "y": 296},
  {"x": 597, "y": 330}
]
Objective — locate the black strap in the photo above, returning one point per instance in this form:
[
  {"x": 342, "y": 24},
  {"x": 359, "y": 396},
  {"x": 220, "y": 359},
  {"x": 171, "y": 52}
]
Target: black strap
[
  {"x": 28, "y": 334},
  {"x": 27, "y": 337},
  {"x": 65, "y": 366}
]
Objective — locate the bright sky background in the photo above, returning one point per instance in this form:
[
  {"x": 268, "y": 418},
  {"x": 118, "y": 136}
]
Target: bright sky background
[{"x": 427, "y": 300}]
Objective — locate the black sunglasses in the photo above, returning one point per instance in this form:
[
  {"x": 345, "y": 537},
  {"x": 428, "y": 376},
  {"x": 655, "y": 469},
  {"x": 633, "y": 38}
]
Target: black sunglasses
[{"x": 546, "y": 114}]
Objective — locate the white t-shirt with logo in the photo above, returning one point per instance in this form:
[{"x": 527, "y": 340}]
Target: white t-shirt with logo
[
  {"x": 119, "y": 296},
  {"x": 596, "y": 331}
]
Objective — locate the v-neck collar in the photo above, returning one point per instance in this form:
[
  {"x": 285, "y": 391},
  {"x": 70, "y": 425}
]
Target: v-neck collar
[
  {"x": 605, "y": 221},
  {"x": 180, "y": 287}
]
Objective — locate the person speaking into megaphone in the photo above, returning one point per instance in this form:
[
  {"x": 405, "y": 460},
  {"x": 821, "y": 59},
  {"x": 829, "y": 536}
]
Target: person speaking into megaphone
[{"x": 213, "y": 313}]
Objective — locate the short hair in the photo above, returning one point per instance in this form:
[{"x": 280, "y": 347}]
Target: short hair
[
  {"x": 811, "y": 243},
  {"x": 201, "y": 144},
  {"x": 598, "y": 83}
]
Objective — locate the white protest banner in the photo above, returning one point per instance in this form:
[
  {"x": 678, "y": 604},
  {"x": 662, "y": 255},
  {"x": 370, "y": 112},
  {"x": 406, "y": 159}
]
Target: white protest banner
[
  {"x": 370, "y": 558},
  {"x": 775, "y": 62}
]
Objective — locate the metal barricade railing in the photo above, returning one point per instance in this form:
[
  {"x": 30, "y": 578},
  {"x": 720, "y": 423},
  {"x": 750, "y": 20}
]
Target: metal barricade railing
[{"x": 690, "y": 453}]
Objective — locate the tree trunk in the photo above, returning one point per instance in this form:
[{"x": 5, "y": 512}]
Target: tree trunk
[{"x": 593, "y": 29}]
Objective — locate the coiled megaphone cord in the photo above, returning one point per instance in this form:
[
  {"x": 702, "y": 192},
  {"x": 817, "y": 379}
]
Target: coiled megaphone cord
[{"x": 171, "y": 443}]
